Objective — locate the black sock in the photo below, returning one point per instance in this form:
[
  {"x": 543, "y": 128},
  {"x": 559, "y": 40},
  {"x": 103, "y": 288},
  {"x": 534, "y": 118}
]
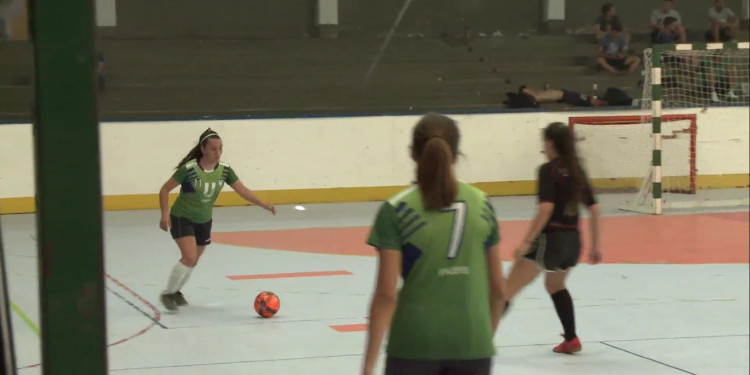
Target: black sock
[{"x": 564, "y": 306}]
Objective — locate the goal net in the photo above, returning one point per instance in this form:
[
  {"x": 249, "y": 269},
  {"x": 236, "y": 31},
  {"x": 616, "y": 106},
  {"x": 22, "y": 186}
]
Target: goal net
[{"x": 689, "y": 139}]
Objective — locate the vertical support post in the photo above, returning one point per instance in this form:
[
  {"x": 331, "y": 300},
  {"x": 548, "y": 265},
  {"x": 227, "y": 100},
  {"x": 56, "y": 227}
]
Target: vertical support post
[
  {"x": 656, "y": 97},
  {"x": 7, "y": 356},
  {"x": 553, "y": 17},
  {"x": 68, "y": 189},
  {"x": 327, "y": 18}
]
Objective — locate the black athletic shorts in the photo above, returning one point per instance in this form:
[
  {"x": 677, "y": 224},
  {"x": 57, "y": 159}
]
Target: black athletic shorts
[
  {"x": 618, "y": 64},
  {"x": 556, "y": 250},
  {"x": 396, "y": 366},
  {"x": 182, "y": 227}
]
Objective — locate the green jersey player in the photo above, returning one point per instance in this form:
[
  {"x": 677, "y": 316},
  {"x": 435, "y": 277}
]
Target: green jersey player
[
  {"x": 201, "y": 175},
  {"x": 442, "y": 237}
]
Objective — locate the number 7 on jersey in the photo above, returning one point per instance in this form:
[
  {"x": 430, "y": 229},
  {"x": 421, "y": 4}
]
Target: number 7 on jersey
[{"x": 457, "y": 230}]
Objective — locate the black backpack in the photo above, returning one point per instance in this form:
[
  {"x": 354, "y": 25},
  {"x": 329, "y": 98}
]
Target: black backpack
[{"x": 616, "y": 97}]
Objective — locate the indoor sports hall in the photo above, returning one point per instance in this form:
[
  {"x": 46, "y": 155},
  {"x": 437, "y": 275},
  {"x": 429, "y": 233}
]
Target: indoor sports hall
[{"x": 282, "y": 134}]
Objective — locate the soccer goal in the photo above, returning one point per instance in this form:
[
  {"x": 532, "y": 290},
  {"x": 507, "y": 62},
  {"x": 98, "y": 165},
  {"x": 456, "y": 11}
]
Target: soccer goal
[{"x": 690, "y": 139}]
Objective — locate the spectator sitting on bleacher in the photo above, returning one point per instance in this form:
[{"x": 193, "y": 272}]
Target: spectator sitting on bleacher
[
  {"x": 670, "y": 33},
  {"x": 613, "y": 54},
  {"x": 608, "y": 21},
  {"x": 659, "y": 26},
  {"x": 724, "y": 24}
]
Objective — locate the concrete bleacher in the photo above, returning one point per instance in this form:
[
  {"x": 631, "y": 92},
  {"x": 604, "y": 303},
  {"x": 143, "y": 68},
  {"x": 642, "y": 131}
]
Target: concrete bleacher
[{"x": 224, "y": 77}]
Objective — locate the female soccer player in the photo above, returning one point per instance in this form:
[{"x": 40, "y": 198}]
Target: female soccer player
[
  {"x": 442, "y": 237},
  {"x": 201, "y": 176},
  {"x": 553, "y": 242}
]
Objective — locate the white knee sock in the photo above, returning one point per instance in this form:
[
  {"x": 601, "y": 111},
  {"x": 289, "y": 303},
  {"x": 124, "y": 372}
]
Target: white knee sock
[
  {"x": 175, "y": 278},
  {"x": 185, "y": 279}
]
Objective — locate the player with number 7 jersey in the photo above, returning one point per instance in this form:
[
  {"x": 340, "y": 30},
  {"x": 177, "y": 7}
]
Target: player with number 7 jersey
[
  {"x": 446, "y": 312},
  {"x": 444, "y": 271}
]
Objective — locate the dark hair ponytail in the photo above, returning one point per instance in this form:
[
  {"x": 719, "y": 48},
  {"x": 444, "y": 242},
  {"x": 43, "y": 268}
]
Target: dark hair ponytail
[
  {"x": 434, "y": 148},
  {"x": 435, "y": 175},
  {"x": 196, "y": 152},
  {"x": 563, "y": 140}
]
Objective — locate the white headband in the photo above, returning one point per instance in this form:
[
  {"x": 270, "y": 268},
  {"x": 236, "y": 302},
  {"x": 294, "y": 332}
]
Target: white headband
[{"x": 208, "y": 135}]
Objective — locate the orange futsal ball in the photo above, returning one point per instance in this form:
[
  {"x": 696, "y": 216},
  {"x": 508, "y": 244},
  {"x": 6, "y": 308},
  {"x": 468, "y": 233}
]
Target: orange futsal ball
[{"x": 267, "y": 304}]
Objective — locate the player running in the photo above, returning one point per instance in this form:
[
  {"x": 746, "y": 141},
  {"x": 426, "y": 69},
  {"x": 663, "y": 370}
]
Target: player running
[
  {"x": 201, "y": 176},
  {"x": 552, "y": 243}
]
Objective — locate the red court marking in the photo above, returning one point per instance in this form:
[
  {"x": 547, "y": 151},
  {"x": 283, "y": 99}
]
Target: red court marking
[
  {"x": 350, "y": 327},
  {"x": 292, "y": 274},
  {"x": 157, "y": 317},
  {"x": 672, "y": 239}
]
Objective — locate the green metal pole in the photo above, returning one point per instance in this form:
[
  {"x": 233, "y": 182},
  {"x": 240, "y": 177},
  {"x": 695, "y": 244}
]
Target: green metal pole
[
  {"x": 8, "y": 356},
  {"x": 68, "y": 189}
]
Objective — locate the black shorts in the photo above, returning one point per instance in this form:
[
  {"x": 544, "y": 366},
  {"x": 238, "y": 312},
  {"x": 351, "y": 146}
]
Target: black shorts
[
  {"x": 723, "y": 35},
  {"x": 182, "y": 227},
  {"x": 618, "y": 64},
  {"x": 396, "y": 366},
  {"x": 556, "y": 250}
]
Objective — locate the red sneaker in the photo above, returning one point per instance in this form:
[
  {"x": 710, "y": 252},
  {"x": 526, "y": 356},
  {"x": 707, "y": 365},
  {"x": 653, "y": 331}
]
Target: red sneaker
[{"x": 569, "y": 347}]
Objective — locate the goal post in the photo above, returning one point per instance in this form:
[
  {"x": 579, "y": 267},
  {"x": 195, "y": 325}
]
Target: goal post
[
  {"x": 654, "y": 150},
  {"x": 617, "y": 151}
]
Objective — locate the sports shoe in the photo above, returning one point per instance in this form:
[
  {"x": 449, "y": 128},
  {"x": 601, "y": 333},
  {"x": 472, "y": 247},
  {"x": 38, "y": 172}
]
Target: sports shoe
[
  {"x": 168, "y": 301},
  {"x": 569, "y": 347},
  {"x": 179, "y": 299}
]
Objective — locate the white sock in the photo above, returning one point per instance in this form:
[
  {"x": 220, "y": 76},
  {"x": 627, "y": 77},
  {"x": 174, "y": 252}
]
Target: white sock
[
  {"x": 185, "y": 279},
  {"x": 175, "y": 278}
]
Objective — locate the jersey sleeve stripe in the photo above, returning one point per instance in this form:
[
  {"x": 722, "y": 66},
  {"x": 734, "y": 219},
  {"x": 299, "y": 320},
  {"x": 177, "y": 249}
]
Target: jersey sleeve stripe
[{"x": 414, "y": 230}]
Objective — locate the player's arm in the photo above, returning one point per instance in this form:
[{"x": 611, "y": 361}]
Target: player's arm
[
  {"x": 383, "y": 304},
  {"x": 497, "y": 285},
  {"x": 168, "y": 186},
  {"x": 594, "y": 214},
  {"x": 250, "y": 196}
]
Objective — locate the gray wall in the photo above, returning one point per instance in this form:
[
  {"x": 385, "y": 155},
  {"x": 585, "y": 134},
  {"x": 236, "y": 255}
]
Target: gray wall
[{"x": 295, "y": 18}]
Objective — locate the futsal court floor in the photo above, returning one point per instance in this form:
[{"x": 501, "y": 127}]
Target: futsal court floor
[{"x": 670, "y": 298}]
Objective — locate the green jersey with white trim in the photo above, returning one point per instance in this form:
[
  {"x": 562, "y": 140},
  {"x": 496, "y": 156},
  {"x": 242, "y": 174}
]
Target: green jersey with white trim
[
  {"x": 443, "y": 307},
  {"x": 199, "y": 190}
]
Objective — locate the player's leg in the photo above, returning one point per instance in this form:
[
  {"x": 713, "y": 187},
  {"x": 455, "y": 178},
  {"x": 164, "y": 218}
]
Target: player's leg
[
  {"x": 564, "y": 252},
  {"x": 202, "y": 239},
  {"x": 184, "y": 235},
  {"x": 397, "y": 366},
  {"x": 523, "y": 271}
]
